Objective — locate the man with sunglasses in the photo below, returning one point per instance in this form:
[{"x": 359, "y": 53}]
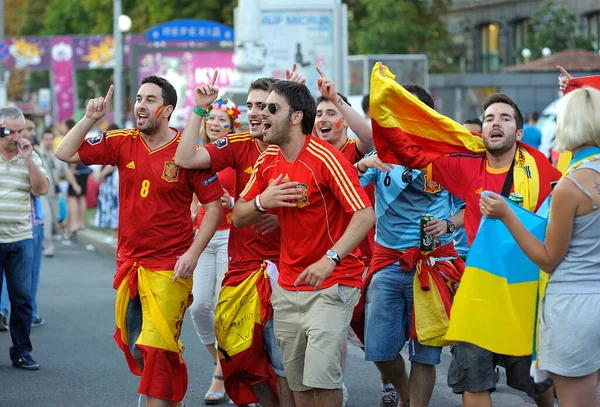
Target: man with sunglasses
[
  {"x": 22, "y": 174},
  {"x": 324, "y": 214},
  {"x": 249, "y": 246},
  {"x": 157, "y": 252}
]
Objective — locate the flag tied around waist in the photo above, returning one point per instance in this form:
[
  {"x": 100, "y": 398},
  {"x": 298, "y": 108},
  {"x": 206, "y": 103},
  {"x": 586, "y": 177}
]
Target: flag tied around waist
[{"x": 495, "y": 305}]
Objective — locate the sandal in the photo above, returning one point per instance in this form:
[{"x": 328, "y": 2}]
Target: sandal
[{"x": 215, "y": 397}]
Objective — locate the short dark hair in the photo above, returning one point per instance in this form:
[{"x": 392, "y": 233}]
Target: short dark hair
[
  {"x": 324, "y": 99},
  {"x": 365, "y": 103},
  {"x": 48, "y": 130},
  {"x": 534, "y": 115},
  {"x": 70, "y": 123},
  {"x": 475, "y": 120},
  {"x": 421, "y": 94},
  {"x": 299, "y": 98},
  {"x": 112, "y": 126},
  {"x": 262, "y": 84},
  {"x": 29, "y": 116},
  {"x": 169, "y": 94},
  {"x": 502, "y": 98}
]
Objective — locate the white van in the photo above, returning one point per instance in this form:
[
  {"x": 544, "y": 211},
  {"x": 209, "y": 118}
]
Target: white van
[{"x": 547, "y": 124}]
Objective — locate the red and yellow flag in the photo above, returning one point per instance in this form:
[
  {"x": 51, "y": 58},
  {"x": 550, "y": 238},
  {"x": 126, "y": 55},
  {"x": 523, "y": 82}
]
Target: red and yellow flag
[
  {"x": 243, "y": 308},
  {"x": 577, "y": 83}
]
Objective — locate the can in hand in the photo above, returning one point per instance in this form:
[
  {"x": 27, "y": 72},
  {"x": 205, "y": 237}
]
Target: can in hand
[
  {"x": 426, "y": 243},
  {"x": 516, "y": 198}
]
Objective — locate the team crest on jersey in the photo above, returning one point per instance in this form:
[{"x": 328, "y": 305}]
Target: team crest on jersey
[
  {"x": 170, "y": 172},
  {"x": 430, "y": 186},
  {"x": 95, "y": 140},
  {"x": 222, "y": 142},
  {"x": 302, "y": 202}
]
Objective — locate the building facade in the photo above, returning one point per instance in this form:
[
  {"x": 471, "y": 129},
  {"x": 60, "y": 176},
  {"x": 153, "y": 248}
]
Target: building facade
[{"x": 492, "y": 33}]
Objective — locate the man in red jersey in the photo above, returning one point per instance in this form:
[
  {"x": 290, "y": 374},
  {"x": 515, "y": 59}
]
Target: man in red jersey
[
  {"x": 249, "y": 246},
  {"x": 467, "y": 176},
  {"x": 157, "y": 252},
  {"x": 324, "y": 214}
]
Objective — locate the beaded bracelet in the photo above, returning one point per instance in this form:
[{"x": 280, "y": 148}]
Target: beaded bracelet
[{"x": 201, "y": 112}]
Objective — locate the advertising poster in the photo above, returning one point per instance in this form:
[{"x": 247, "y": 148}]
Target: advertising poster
[
  {"x": 62, "y": 77},
  {"x": 186, "y": 70},
  {"x": 305, "y": 38}
]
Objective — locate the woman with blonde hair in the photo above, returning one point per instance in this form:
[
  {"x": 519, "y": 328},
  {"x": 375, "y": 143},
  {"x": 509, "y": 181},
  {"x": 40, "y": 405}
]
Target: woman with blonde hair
[
  {"x": 569, "y": 336},
  {"x": 213, "y": 262}
]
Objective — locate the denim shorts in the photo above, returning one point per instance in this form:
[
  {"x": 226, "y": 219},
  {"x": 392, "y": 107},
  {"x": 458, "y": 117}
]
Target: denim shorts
[
  {"x": 388, "y": 318},
  {"x": 272, "y": 349}
]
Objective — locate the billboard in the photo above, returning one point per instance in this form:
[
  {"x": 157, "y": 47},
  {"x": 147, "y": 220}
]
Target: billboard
[{"x": 186, "y": 69}]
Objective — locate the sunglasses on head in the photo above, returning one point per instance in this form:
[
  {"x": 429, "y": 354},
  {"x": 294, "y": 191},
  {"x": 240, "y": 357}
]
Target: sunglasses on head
[{"x": 272, "y": 107}]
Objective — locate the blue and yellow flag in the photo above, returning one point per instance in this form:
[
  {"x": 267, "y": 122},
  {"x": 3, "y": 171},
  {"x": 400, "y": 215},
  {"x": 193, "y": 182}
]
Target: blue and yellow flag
[{"x": 494, "y": 307}]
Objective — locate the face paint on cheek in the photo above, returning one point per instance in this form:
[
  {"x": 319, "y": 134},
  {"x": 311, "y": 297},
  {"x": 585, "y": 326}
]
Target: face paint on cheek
[
  {"x": 225, "y": 126},
  {"x": 339, "y": 123},
  {"x": 159, "y": 111}
]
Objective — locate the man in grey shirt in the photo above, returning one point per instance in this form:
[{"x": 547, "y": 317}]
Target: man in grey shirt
[{"x": 22, "y": 173}]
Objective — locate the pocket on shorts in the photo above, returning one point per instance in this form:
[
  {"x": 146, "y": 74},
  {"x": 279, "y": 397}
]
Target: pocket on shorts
[{"x": 348, "y": 295}]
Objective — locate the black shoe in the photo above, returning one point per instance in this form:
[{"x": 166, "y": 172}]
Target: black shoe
[
  {"x": 37, "y": 321},
  {"x": 3, "y": 326},
  {"x": 26, "y": 362}
]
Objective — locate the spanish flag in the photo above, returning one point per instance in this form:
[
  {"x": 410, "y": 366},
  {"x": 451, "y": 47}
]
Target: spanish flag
[
  {"x": 408, "y": 132},
  {"x": 244, "y": 306},
  {"x": 577, "y": 83},
  {"x": 500, "y": 286}
]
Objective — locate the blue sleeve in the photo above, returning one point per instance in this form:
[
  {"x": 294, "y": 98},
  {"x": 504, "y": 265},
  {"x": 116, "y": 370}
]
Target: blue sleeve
[{"x": 368, "y": 177}]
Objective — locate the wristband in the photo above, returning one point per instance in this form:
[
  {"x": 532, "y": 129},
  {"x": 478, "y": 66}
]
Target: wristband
[
  {"x": 231, "y": 202},
  {"x": 257, "y": 204},
  {"x": 358, "y": 167},
  {"x": 201, "y": 112}
]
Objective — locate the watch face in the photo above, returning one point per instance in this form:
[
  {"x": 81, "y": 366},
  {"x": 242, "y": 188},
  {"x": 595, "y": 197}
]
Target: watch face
[
  {"x": 451, "y": 227},
  {"x": 330, "y": 253}
]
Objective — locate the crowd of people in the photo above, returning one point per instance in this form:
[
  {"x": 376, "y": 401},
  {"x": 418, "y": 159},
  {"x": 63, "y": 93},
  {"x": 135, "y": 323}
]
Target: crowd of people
[{"x": 292, "y": 239}]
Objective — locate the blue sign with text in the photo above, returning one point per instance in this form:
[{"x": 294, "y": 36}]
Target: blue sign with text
[{"x": 190, "y": 30}]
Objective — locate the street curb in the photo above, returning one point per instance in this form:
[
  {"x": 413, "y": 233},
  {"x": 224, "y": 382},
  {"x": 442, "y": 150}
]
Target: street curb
[{"x": 90, "y": 238}]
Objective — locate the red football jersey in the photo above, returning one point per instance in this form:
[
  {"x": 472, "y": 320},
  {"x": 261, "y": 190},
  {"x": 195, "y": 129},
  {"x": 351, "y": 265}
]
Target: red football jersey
[
  {"x": 247, "y": 249},
  {"x": 332, "y": 193},
  {"x": 227, "y": 180},
  {"x": 350, "y": 151},
  {"x": 466, "y": 176},
  {"x": 155, "y": 195}
]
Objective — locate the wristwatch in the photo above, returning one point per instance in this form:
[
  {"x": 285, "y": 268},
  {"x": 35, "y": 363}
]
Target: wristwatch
[
  {"x": 333, "y": 255},
  {"x": 451, "y": 226}
]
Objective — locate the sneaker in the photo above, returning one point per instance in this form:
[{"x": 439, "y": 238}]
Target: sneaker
[
  {"x": 345, "y": 395},
  {"x": 26, "y": 362},
  {"x": 496, "y": 375},
  {"x": 3, "y": 325},
  {"x": 37, "y": 321},
  {"x": 389, "y": 398}
]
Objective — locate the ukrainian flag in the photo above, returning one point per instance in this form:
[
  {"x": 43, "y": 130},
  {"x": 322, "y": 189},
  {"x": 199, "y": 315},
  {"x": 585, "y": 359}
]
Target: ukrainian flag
[{"x": 495, "y": 305}]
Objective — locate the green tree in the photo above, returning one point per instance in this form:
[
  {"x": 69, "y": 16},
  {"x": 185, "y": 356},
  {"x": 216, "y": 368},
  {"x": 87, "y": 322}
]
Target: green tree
[
  {"x": 403, "y": 27},
  {"x": 554, "y": 27}
]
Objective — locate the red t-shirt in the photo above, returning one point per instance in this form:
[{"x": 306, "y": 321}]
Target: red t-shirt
[
  {"x": 350, "y": 151},
  {"x": 155, "y": 227},
  {"x": 227, "y": 180},
  {"x": 247, "y": 249},
  {"x": 466, "y": 176},
  {"x": 332, "y": 193}
]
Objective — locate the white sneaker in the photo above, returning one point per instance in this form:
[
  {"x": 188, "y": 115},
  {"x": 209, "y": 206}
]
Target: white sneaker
[{"x": 345, "y": 395}]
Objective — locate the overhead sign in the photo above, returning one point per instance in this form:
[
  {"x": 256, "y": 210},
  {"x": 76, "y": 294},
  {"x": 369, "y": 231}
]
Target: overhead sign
[{"x": 190, "y": 30}]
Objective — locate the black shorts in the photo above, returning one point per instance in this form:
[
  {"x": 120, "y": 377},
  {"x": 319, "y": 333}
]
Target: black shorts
[
  {"x": 82, "y": 181},
  {"x": 472, "y": 370}
]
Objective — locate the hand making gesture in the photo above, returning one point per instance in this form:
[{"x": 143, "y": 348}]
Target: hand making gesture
[
  {"x": 205, "y": 95},
  {"x": 97, "y": 108}
]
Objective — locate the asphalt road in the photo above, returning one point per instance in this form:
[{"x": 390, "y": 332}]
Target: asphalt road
[{"x": 82, "y": 366}]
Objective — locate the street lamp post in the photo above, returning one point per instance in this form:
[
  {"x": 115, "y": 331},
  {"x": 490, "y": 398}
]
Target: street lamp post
[
  {"x": 121, "y": 24},
  {"x": 526, "y": 54}
]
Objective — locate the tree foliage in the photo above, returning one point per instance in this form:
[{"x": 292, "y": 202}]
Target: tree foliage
[
  {"x": 555, "y": 27},
  {"x": 403, "y": 27}
]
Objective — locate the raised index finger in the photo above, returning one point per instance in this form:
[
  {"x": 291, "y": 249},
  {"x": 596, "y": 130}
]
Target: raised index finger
[
  {"x": 563, "y": 71},
  {"x": 109, "y": 93},
  {"x": 320, "y": 72},
  {"x": 214, "y": 78}
]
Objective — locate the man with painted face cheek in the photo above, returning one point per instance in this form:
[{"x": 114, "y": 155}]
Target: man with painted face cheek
[
  {"x": 157, "y": 253},
  {"x": 302, "y": 178}
]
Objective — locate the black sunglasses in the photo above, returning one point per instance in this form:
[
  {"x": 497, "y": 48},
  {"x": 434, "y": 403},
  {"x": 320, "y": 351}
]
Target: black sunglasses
[{"x": 273, "y": 108}]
